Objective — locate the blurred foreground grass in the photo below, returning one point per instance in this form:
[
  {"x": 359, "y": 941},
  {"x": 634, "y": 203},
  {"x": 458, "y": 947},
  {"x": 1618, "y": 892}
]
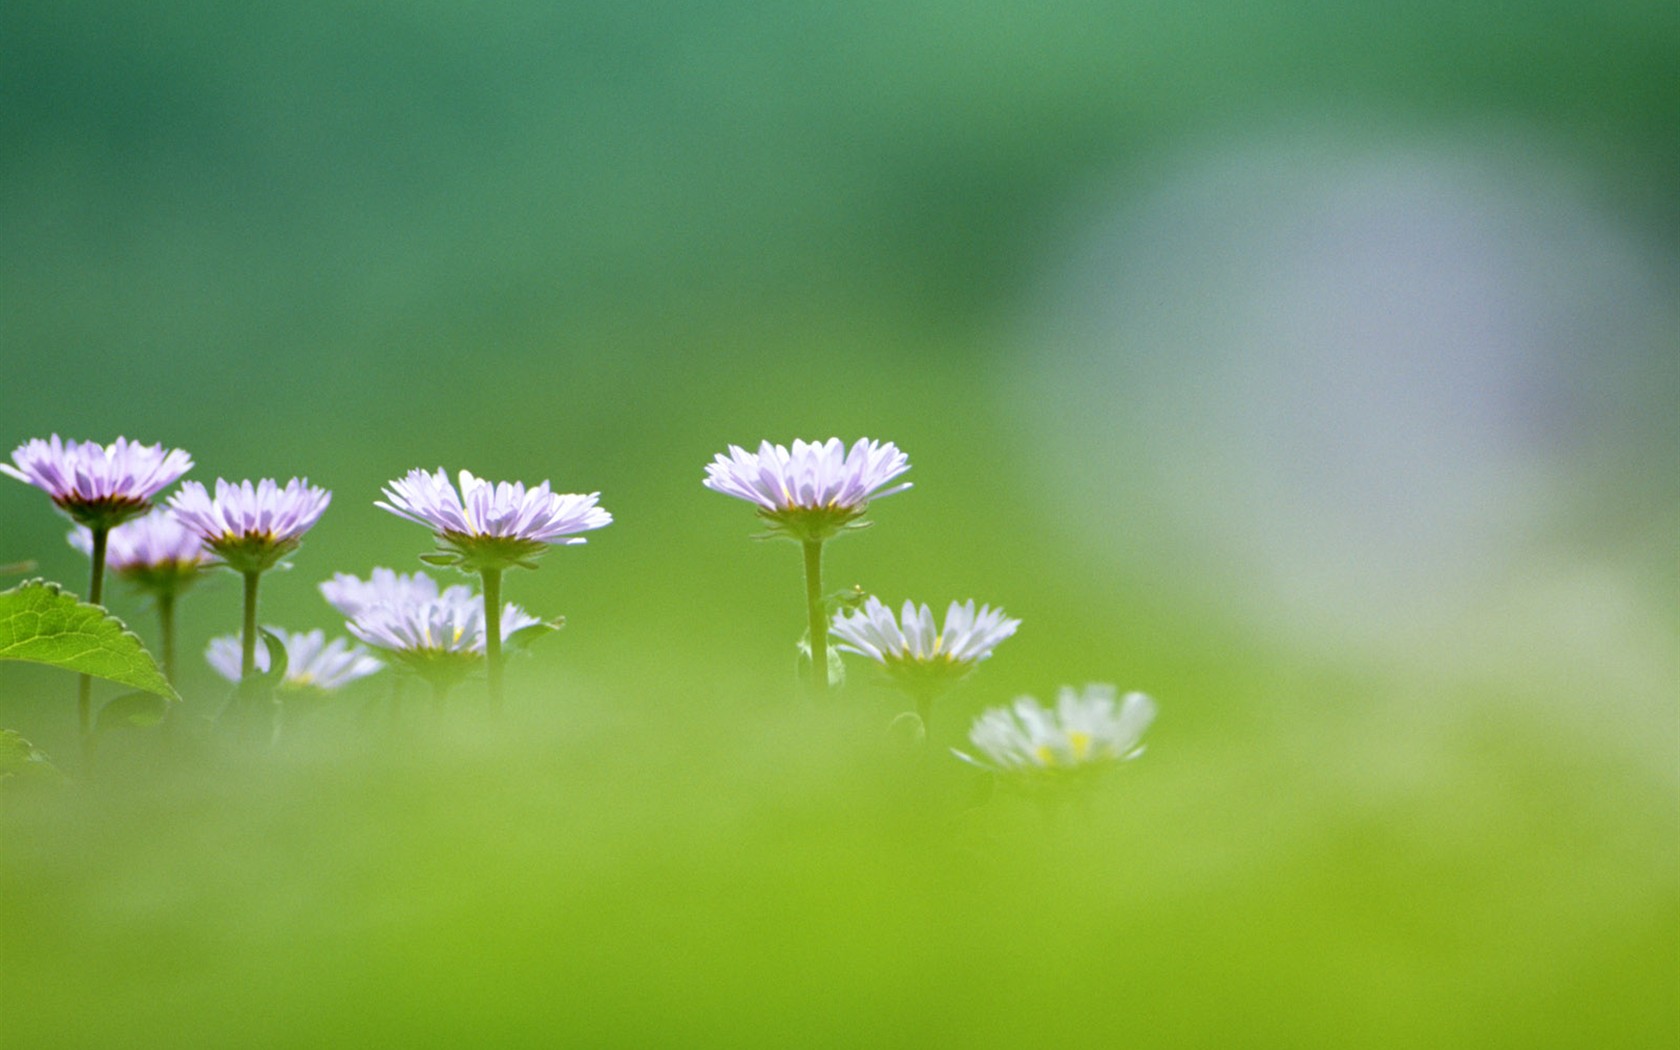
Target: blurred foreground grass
[{"x": 699, "y": 870}]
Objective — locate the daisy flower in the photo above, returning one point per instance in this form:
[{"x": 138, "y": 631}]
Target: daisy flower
[
  {"x": 442, "y": 637},
  {"x": 922, "y": 658},
  {"x": 99, "y": 486},
  {"x": 488, "y": 528},
  {"x": 311, "y": 661},
  {"x": 250, "y": 527},
  {"x": 157, "y": 555},
  {"x": 351, "y": 595},
  {"x": 812, "y": 491},
  {"x": 499, "y": 524},
  {"x": 810, "y": 494},
  {"x": 1088, "y": 729}
]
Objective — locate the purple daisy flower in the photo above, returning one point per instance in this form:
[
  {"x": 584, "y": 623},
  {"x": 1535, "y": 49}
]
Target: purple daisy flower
[
  {"x": 251, "y": 527},
  {"x": 99, "y": 486},
  {"x": 351, "y": 595},
  {"x": 151, "y": 550},
  {"x": 492, "y": 524},
  {"x": 813, "y": 490},
  {"x": 488, "y": 528}
]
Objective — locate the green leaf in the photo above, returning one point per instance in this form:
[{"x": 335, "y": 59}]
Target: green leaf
[
  {"x": 42, "y": 624},
  {"x": 520, "y": 640},
  {"x": 132, "y": 711},
  {"x": 259, "y": 688}
]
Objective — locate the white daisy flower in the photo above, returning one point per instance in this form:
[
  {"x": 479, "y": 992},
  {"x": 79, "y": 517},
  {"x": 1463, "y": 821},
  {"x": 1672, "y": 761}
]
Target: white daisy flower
[
  {"x": 1087, "y": 729},
  {"x": 311, "y": 661},
  {"x": 921, "y": 657},
  {"x": 449, "y": 625}
]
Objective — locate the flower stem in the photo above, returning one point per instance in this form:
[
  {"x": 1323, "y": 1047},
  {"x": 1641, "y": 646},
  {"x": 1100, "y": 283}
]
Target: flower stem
[
  {"x": 493, "y": 635},
  {"x": 248, "y": 637},
  {"x": 166, "y": 633},
  {"x": 96, "y": 595},
  {"x": 818, "y": 619}
]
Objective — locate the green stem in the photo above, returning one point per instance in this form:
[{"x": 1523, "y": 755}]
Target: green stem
[
  {"x": 248, "y": 636},
  {"x": 96, "y": 595},
  {"x": 396, "y": 701},
  {"x": 166, "y": 633},
  {"x": 493, "y": 635},
  {"x": 818, "y": 619}
]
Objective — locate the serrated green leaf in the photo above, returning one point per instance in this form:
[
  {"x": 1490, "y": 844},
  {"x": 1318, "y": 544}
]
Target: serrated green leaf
[
  {"x": 132, "y": 711},
  {"x": 41, "y": 624}
]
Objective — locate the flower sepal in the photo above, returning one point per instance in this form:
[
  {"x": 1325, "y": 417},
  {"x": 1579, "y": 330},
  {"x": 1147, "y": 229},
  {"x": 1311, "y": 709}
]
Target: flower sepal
[
  {"x": 251, "y": 553},
  {"x": 811, "y": 524},
  {"x": 477, "y": 554},
  {"x": 103, "y": 514}
]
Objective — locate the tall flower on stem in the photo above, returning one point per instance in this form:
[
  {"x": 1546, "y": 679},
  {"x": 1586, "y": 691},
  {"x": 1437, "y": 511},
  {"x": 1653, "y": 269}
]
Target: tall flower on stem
[
  {"x": 157, "y": 556},
  {"x": 489, "y": 527},
  {"x": 924, "y": 660},
  {"x": 810, "y": 494},
  {"x": 250, "y": 528},
  {"x": 98, "y": 487},
  {"x": 441, "y": 637}
]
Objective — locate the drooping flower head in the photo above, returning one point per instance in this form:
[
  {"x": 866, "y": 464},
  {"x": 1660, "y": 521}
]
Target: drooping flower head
[
  {"x": 1088, "y": 729},
  {"x": 351, "y": 595},
  {"x": 442, "y": 637},
  {"x": 251, "y": 527},
  {"x": 99, "y": 486},
  {"x": 155, "y": 553},
  {"x": 491, "y": 525},
  {"x": 813, "y": 491},
  {"x": 311, "y": 661}
]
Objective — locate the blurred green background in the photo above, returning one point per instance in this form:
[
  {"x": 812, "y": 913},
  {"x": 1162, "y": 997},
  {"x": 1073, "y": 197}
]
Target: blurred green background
[{"x": 1309, "y": 366}]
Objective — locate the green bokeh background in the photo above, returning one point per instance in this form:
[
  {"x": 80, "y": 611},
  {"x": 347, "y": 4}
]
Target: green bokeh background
[{"x": 595, "y": 244}]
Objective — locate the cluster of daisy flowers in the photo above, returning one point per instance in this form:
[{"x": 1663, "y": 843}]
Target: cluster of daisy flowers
[
  {"x": 809, "y": 493},
  {"x": 813, "y": 492},
  {"x": 111, "y": 494}
]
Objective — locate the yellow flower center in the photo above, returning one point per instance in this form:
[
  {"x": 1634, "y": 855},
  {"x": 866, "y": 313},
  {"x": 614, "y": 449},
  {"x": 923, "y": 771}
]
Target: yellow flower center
[{"x": 1080, "y": 744}]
